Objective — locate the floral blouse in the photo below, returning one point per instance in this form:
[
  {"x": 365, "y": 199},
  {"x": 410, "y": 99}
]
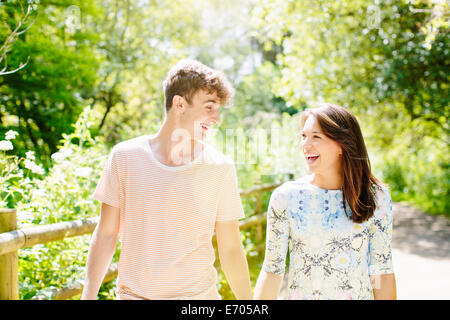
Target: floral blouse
[{"x": 331, "y": 257}]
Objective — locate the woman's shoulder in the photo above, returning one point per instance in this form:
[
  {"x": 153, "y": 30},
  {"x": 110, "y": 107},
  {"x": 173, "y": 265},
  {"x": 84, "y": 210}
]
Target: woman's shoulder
[
  {"x": 302, "y": 184},
  {"x": 381, "y": 191},
  {"x": 383, "y": 201}
]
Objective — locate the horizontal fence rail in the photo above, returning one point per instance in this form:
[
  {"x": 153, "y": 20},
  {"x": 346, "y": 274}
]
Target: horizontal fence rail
[
  {"x": 14, "y": 240},
  {"x": 23, "y": 238}
]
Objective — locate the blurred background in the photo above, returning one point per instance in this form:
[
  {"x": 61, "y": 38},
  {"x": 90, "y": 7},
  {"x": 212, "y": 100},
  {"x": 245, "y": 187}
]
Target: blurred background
[{"x": 77, "y": 77}]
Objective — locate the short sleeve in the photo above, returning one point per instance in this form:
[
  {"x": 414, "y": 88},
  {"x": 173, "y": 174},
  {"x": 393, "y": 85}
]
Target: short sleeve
[
  {"x": 380, "y": 235},
  {"x": 277, "y": 234},
  {"x": 229, "y": 204},
  {"x": 108, "y": 187}
]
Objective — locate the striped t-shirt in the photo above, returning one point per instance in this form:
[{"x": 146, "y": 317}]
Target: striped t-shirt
[{"x": 167, "y": 219}]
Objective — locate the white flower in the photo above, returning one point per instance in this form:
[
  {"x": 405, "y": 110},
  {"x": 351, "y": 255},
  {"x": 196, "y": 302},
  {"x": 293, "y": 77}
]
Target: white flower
[
  {"x": 66, "y": 151},
  {"x": 62, "y": 154},
  {"x": 38, "y": 170},
  {"x": 58, "y": 156},
  {"x": 6, "y": 145},
  {"x": 30, "y": 165},
  {"x": 83, "y": 172},
  {"x": 11, "y": 134},
  {"x": 30, "y": 155}
]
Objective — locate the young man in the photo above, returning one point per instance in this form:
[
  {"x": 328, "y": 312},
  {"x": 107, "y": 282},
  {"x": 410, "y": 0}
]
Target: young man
[{"x": 165, "y": 194}]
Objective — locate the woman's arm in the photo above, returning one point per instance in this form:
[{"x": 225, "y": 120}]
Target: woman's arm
[
  {"x": 380, "y": 248},
  {"x": 384, "y": 287},
  {"x": 268, "y": 286},
  {"x": 277, "y": 238}
]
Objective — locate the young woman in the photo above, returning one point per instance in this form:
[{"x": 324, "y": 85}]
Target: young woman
[{"x": 337, "y": 221}]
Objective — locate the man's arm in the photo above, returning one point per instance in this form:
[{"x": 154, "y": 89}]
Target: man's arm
[
  {"x": 232, "y": 258},
  {"x": 101, "y": 250},
  {"x": 384, "y": 287},
  {"x": 268, "y": 286}
]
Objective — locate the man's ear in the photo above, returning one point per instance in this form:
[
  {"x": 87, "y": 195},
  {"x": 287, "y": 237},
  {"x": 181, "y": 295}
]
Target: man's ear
[{"x": 179, "y": 103}]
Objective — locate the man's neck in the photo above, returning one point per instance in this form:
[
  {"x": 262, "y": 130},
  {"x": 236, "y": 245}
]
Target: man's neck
[{"x": 173, "y": 146}]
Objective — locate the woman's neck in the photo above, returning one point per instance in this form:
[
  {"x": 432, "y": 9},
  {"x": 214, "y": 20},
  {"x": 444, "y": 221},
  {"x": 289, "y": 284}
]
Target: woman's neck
[{"x": 330, "y": 181}]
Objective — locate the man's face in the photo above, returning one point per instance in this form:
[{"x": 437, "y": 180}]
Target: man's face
[{"x": 201, "y": 113}]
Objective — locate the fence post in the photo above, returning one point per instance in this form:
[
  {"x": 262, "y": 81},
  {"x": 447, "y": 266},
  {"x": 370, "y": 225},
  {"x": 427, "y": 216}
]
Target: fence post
[{"x": 9, "y": 279}]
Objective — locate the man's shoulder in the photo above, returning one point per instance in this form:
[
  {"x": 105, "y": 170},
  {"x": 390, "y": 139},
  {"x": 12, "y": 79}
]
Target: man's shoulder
[
  {"x": 127, "y": 149},
  {"x": 213, "y": 156},
  {"x": 130, "y": 146}
]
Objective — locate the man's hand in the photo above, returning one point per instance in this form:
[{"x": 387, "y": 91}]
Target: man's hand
[{"x": 232, "y": 258}]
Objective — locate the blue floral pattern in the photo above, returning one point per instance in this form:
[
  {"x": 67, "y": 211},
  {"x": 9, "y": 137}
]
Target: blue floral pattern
[{"x": 331, "y": 257}]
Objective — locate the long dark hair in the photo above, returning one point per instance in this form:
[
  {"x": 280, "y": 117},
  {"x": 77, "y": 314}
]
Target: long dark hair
[{"x": 359, "y": 184}]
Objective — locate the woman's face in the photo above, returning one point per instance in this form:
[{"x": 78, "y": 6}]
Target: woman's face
[{"x": 322, "y": 154}]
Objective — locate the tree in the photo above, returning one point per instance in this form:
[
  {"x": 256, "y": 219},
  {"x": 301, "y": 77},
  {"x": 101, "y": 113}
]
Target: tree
[
  {"x": 44, "y": 99},
  {"x": 20, "y": 28}
]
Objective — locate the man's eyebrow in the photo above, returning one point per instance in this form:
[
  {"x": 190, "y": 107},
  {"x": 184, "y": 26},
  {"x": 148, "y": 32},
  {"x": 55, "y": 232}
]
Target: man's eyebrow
[{"x": 211, "y": 100}]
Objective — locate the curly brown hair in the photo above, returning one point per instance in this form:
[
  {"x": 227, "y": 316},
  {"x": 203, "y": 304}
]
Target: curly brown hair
[{"x": 188, "y": 76}]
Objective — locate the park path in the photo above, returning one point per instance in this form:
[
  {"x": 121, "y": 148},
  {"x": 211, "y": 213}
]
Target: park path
[{"x": 420, "y": 254}]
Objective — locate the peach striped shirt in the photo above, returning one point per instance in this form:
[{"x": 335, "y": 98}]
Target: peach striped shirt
[{"x": 167, "y": 219}]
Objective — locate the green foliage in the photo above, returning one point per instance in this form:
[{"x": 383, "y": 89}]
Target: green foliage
[
  {"x": 64, "y": 194},
  {"x": 44, "y": 99},
  {"x": 428, "y": 185},
  {"x": 66, "y": 190},
  {"x": 15, "y": 184},
  {"x": 438, "y": 19},
  {"x": 265, "y": 147}
]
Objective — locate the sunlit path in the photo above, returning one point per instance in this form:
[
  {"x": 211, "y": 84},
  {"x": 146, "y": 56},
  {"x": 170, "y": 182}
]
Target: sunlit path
[
  {"x": 421, "y": 254},
  {"x": 420, "y": 278}
]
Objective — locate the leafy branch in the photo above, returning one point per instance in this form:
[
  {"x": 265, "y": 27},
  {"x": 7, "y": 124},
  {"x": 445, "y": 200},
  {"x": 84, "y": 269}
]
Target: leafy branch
[{"x": 5, "y": 48}]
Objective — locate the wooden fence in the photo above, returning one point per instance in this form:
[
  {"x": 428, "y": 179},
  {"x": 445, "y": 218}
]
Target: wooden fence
[{"x": 13, "y": 239}]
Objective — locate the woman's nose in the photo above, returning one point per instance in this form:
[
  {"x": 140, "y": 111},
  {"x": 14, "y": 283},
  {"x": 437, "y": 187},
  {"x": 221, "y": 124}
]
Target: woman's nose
[{"x": 305, "y": 141}]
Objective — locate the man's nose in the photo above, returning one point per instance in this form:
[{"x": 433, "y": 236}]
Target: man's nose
[{"x": 216, "y": 117}]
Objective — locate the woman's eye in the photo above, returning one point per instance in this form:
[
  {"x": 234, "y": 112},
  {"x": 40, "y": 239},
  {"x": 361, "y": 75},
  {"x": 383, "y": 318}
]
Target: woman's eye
[{"x": 317, "y": 137}]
